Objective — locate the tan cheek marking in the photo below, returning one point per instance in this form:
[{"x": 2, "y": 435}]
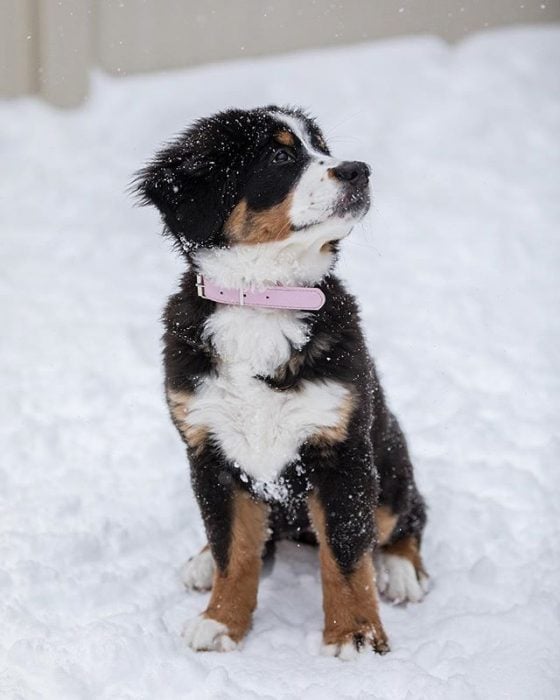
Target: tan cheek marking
[
  {"x": 286, "y": 138},
  {"x": 234, "y": 591},
  {"x": 409, "y": 549},
  {"x": 251, "y": 227},
  {"x": 236, "y": 222},
  {"x": 349, "y": 601},
  {"x": 385, "y": 520},
  {"x": 333, "y": 434},
  {"x": 196, "y": 436}
]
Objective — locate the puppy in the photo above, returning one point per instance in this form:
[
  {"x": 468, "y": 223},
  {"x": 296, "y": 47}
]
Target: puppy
[{"x": 269, "y": 381}]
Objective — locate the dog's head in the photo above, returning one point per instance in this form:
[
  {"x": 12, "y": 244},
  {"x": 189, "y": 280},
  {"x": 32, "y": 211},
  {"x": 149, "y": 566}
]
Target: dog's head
[{"x": 256, "y": 177}]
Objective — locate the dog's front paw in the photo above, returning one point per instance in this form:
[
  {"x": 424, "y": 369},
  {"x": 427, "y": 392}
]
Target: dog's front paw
[
  {"x": 205, "y": 634},
  {"x": 198, "y": 572},
  {"x": 399, "y": 581},
  {"x": 347, "y": 646}
]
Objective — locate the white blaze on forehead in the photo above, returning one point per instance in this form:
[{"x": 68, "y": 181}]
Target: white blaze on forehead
[{"x": 299, "y": 129}]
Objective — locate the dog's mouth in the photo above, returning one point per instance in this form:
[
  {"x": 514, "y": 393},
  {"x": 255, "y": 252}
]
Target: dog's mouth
[
  {"x": 351, "y": 205},
  {"x": 354, "y": 202}
]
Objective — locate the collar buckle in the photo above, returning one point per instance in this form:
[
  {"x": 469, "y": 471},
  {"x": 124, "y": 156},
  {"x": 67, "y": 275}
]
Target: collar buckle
[{"x": 200, "y": 286}]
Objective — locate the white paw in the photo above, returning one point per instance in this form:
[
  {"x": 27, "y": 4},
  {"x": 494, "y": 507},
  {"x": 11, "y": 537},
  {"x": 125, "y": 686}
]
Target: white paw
[
  {"x": 204, "y": 634},
  {"x": 198, "y": 572},
  {"x": 397, "y": 580},
  {"x": 346, "y": 651},
  {"x": 351, "y": 645}
]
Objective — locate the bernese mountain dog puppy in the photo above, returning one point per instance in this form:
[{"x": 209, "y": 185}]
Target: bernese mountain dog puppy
[{"x": 269, "y": 381}]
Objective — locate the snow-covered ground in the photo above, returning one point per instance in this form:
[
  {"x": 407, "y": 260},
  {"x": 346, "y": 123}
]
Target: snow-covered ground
[{"x": 457, "y": 273}]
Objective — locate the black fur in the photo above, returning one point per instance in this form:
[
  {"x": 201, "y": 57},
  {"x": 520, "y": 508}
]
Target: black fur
[
  {"x": 371, "y": 467},
  {"x": 196, "y": 182}
]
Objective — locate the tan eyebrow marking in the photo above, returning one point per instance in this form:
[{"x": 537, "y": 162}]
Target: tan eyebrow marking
[{"x": 286, "y": 138}]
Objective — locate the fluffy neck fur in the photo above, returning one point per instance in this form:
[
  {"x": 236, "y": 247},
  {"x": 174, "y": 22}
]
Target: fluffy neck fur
[{"x": 303, "y": 259}]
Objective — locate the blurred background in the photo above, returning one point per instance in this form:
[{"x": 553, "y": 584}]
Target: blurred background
[{"x": 49, "y": 47}]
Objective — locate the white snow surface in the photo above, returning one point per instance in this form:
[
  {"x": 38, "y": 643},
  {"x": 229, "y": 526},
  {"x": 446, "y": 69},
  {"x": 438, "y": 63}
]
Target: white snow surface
[{"x": 456, "y": 269}]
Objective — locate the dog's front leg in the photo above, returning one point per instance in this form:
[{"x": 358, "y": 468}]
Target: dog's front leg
[
  {"x": 236, "y": 528},
  {"x": 341, "y": 509}
]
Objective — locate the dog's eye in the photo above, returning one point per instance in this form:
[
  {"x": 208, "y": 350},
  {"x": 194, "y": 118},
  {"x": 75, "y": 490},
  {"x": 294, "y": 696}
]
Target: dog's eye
[{"x": 282, "y": 156}]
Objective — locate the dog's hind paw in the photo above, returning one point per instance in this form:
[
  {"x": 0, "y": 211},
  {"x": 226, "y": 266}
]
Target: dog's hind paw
[
  {"x": 398, "y": 580},
  {"x": 205, "y": 634},
  {"x": 198, "y": 572}
]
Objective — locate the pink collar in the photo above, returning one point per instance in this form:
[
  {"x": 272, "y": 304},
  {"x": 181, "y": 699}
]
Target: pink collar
[{"x": 302, "y": 298}]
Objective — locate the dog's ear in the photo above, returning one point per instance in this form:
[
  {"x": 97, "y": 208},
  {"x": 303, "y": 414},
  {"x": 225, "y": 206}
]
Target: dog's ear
[
  {"x": 196, "y": 181},
  {"x": 184, "y": 184}
]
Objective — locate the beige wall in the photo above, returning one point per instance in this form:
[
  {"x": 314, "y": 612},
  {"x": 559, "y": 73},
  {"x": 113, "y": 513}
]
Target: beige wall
[{"x": 48, "y": 46}]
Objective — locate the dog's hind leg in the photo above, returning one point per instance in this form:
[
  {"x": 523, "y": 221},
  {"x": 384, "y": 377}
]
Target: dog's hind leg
[
  {"x": 401, "y": 574},
  {"x": 402, "y": 577},
  {"x": 198, "y": 572},
  {"x": 401, "y": 518}
]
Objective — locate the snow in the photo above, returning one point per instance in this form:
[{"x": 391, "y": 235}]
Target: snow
[{"x": 456, "y": 270}]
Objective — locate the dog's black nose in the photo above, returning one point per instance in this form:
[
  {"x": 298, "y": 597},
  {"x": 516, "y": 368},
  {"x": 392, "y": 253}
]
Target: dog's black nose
[{"x": 353, "y": 171}]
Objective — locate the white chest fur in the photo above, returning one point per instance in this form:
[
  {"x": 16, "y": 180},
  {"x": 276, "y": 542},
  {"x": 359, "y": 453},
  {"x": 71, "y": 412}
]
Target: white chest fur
[{"x": 258, "y": 428}]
